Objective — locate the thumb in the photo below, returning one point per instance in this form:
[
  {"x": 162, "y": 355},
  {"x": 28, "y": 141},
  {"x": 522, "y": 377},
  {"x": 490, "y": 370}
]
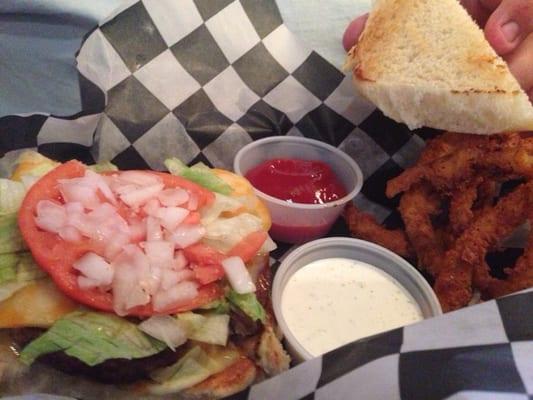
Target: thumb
[
  {"x": 353, "y": 31},
  {"x": 509, "y": 24}
]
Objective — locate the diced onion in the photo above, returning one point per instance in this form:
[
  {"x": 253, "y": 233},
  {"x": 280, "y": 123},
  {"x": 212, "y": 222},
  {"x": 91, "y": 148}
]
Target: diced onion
[
  {"x": 193, "y": 202},
  {"x": 94, "y": 267},
  {"x": 173, "y": 197},
  {"x": 115, "y": 246},
  {"x": 268, "y": 246},
  {"x": 51, "y": 216},
  {"x": 132, "y": 280},
  {"x": 186, "y": 235},
  {"x": 153, "y": 229},
  {"x": 238, "y": 276},
  {"x": 73, "y": 207},
  {"x": 87, "y": 283},
  {"x": 139, "y": 197},
  {"x": 103, "y": 223},
  {"x": 170, "y": 277},
  {"x": 137, "y": 229},
  {"x": 101, "y": 184},
  {"x": 179, "y": 294},
  {"x": 171, "y": 217},
  {"x": 125, "y": 188},
  {"x": 156, "y": 274},
  {"x": 151, "y": 207},
  {"x": 70, "y": 234},
  {"x": 165, "y": 328},
  {"x": 139, "y": 178},
  {"x": 160, "y": 253},
  {"x": 180, "y": 261},
  {"x": 80, "y": 190}
]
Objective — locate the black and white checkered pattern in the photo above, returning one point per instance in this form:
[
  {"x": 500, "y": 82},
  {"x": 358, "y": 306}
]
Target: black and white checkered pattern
[
  {"x": 454, "y": 356},
  {"x": 199, "y": 79}
]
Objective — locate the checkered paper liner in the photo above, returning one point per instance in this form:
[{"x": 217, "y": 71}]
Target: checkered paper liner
[
  {"x": 199, "y": 79},
  {"x": 484, "y": 352}
]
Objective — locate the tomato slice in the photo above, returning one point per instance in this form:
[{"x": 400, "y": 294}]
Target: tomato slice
[
  {"x": 208, "y": 273},
  {"x": 192, "y": 218},
  {"x": 248, "y": 247},
  {"x": 202, "y": 254},
  {"x": 57, "y": 256},
  {"x": 206, "y": 262}
]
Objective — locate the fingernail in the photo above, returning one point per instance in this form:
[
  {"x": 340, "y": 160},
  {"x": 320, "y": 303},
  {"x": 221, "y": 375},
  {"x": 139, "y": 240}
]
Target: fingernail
[{"x": 510, "y": 31}]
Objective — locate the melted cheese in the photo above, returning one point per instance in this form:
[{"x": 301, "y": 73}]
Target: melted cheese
[{"x": 39, "y": 304}]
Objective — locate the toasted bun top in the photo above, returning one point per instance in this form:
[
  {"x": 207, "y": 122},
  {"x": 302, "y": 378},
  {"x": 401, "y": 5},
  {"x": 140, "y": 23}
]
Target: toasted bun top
[{"x": 427, "y": 63}]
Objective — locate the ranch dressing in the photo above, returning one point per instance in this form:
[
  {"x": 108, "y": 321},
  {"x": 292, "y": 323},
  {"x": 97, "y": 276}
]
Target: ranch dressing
[{"x": 334, "y": 301}]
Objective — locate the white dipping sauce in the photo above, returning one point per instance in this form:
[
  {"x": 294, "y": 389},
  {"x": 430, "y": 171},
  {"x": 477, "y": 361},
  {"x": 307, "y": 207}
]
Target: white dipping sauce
[{"x": 334, "y": 301}]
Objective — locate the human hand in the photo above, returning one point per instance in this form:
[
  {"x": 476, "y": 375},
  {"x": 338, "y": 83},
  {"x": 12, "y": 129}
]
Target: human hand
[{"x": 508, "y": 27}]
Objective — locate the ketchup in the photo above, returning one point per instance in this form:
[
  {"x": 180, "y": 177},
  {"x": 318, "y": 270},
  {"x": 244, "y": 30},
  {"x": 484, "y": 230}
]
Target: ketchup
[{"x": 298, "y": 181}]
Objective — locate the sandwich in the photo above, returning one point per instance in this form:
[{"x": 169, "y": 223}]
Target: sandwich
[
  {"x": 151, "y": 283},
  {"x": 427, "y": 63}
]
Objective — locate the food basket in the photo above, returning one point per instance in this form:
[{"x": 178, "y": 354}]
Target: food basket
[{"x": 219, "y": 75}]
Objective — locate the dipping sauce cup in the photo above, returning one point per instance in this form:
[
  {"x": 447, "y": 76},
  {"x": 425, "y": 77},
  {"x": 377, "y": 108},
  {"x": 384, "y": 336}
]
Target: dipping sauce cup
[
  {"x": 332, "y": 291},
  {"x": 298, "y": 222}
]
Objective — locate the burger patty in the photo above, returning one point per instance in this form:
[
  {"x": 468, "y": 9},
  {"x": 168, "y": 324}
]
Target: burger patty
[{"x": 117, "y": 370}]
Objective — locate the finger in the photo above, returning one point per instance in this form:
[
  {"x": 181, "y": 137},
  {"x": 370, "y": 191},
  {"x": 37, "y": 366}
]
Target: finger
[
  {"x": 509, "y": 25},
  {"x": 352, "y": 33},
  {"x": 490, "y": 5},
  {"x": 477, "y": 10},
  {"x": 520, "y": 64}
]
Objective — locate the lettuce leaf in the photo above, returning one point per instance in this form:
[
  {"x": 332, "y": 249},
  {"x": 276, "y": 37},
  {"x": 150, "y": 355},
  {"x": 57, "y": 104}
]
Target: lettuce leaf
[
  {"x": 19, "y": 267},
  {"x": 11, "y": 195},
  {"x": 198, "y": 364},
  {"x": 30, "y": 165},
  {"x": 198, "y": 174},
  {"x": 16, "y": 271},
  {"x": 10, "y": 238},
  {"x": 92, "y": 337},
  {"x": 248, "y": 303},
  {"x": 8, "y": 267},
  {"x": 220, "y": 205},
  {"x": 219, "y": 306},
  {"x": 224, "y": 233},
  {"x": 27, "y": 268},
  {"x": 206, "y": 328}
]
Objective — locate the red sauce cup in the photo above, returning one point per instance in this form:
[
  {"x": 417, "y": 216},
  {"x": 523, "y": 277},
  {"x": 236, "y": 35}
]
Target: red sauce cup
[{"x": 297, "y": 222}]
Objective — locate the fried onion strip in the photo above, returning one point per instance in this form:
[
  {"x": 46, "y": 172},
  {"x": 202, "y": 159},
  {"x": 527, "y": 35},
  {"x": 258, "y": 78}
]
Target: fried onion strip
[
  {"x": 506, "y": 155},
  {"x": 417, "y": 206},
  {"x": 364, "y": 226},
  {"x": 454, "y": 282},
  {"x": 461, "y": 211}
]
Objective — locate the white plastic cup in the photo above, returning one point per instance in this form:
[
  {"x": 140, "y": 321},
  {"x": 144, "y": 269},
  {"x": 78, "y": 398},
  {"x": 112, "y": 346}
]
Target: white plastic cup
[
  {"x": 297, "y": 222},
  {"x": 404, "y": 273}
]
